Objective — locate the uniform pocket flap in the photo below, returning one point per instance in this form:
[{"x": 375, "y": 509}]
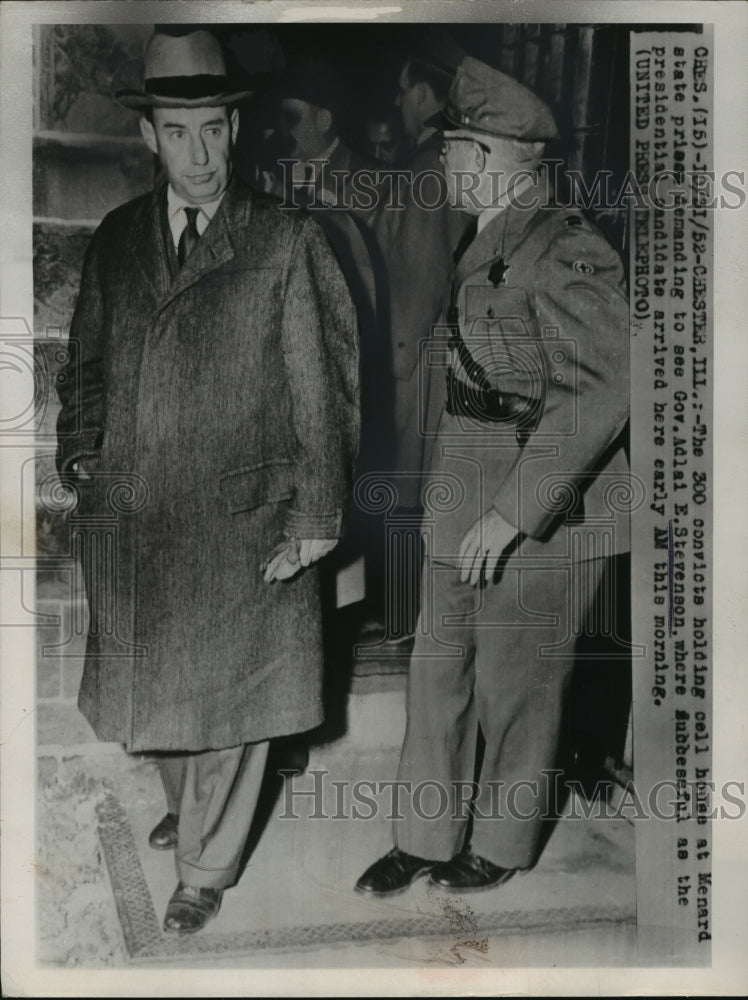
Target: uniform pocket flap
[
  {"x": 255, "y": 485},
  {"x": 505, "y": 310}
]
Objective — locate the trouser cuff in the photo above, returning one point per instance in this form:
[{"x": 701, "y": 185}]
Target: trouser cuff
[{"x": 206, "y": 878}]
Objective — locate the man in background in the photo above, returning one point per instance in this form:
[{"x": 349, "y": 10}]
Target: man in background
[
  {"x": 383, "y": 137},
  {"x": 417, "y": 244},
  {"x": 318, "y": 171},
  {"x": 316, "y": 163}
]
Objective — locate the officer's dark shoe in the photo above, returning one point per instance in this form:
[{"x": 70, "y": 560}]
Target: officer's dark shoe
[
  {"x": 468, "y": 872},
  {"x": 163, "y": 836},
  {"x": 393, "y": 873},
  {"x": 190, "y": 909}
]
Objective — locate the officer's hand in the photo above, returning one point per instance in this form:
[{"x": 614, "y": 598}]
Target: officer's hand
[{"x": 482, "y": 547}]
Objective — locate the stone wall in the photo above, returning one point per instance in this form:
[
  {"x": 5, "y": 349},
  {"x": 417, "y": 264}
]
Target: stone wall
[{"x": 88, "y": 158}]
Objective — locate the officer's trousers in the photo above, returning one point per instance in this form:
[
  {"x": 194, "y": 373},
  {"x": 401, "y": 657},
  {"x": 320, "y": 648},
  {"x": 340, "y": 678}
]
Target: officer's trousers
[{"x": 499, "y": 658}]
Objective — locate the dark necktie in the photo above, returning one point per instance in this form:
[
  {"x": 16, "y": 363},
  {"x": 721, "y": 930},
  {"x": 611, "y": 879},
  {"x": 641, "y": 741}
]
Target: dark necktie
[
  {"x": 189, "y": 237},
  {"x": 465, "y": 240}
]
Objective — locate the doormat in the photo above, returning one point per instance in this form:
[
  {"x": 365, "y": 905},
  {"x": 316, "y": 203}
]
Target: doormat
[{"x": 144, "y": 939}]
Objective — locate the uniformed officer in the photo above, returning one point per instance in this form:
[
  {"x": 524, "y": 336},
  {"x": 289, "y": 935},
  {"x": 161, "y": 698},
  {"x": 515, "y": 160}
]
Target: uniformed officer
[{"x": 524, "y": 500}]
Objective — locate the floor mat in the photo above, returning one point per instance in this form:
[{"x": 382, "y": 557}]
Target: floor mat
[{"x": 296, "y": 890}]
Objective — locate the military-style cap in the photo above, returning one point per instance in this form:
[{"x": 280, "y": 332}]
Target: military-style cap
[{"x": 483, "y": 99}]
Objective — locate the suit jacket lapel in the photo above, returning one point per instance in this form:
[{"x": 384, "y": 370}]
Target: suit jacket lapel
[
  {"x": 215, "y": 247},
  {"x": 147, "y": 245}
]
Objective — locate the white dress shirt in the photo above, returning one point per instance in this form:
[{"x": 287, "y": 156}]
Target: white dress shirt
[{"x": 175, "y": 207}]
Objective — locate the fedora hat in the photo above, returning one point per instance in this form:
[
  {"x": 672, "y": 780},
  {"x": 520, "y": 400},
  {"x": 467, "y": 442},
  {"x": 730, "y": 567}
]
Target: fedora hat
[
  {"x": 183, "y": 71},
  {"x": 437, "y": 49}
]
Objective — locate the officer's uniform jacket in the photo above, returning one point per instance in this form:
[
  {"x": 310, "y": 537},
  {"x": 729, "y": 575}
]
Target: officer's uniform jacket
[{"x": 539, "y": 303}]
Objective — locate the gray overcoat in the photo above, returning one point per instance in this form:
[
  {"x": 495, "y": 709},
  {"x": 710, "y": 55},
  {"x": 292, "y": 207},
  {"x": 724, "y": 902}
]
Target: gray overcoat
[{"x": 222, "y": 408}]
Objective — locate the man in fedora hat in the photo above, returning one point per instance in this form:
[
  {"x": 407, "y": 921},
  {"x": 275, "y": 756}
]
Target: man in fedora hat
[
  {"x": 214, "y": 373},
  {"x": 526, "y": 466}
]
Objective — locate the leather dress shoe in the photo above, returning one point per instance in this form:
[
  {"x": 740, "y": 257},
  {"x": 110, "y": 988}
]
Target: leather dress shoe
[
  {"x": 468, "y": 872},
  {"x": 190, "y": 908},
  {"x": 163, "y": 836},
  {"x": 292, "y": 755},
  {"x": 393, "y": 873}
]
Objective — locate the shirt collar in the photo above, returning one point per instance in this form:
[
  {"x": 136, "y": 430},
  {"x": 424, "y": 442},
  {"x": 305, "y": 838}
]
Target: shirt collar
[
  {"x": 426, "y": 134},
  {"x": 175, "y": 204},
  {"x": 330, "y": 149}
]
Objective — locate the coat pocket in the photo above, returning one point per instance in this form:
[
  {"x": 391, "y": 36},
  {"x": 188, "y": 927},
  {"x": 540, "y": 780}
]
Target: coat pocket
[
  {"x": 502, "y": 334},
  {"x": 255, "y": 485},
  {"x": 503, "y": 311}
]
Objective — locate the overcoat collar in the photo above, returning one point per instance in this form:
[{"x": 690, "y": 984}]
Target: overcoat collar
[{"x": 215, "y": 248}]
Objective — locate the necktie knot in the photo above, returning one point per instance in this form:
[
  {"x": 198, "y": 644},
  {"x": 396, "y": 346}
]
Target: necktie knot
[
  {"x": 192, "y": 214},
  {"x": 190, "y": 235}
]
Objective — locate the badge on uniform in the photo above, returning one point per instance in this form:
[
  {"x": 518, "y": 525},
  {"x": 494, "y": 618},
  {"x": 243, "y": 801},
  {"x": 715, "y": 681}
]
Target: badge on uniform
[
  {"x": 583, "y": 267},
  {"x": 497, "y": 272}
]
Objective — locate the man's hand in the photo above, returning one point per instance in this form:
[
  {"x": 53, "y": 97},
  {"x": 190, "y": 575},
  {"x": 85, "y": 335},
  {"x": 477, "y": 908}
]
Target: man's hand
[
  {"x": 313, "y": 549},
  {"x": 292, "y": 555},
  {"x": 482, "y": 547}
]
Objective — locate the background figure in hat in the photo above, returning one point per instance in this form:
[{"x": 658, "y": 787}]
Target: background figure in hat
[
  {"x": 213, "y": 377},
  {"x": 417, "y": 243},
  {"x": 308, "y": 133},
  {"x": 319, "y": 171},
  {"x": 530, "y": 449}
]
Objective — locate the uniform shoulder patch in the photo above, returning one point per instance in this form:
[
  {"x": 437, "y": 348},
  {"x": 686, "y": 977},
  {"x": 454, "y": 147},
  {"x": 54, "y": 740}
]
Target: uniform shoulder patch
[{"x": 583, "y": 267}]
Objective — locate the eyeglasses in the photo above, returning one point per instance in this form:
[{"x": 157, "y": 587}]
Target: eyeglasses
[{"x": 446, "y": 143}]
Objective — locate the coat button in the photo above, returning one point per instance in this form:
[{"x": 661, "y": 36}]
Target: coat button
[{"x": 401, "y": 343}]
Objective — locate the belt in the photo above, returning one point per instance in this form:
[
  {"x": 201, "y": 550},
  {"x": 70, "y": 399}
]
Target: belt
[{"x": 490, "y": 405}]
